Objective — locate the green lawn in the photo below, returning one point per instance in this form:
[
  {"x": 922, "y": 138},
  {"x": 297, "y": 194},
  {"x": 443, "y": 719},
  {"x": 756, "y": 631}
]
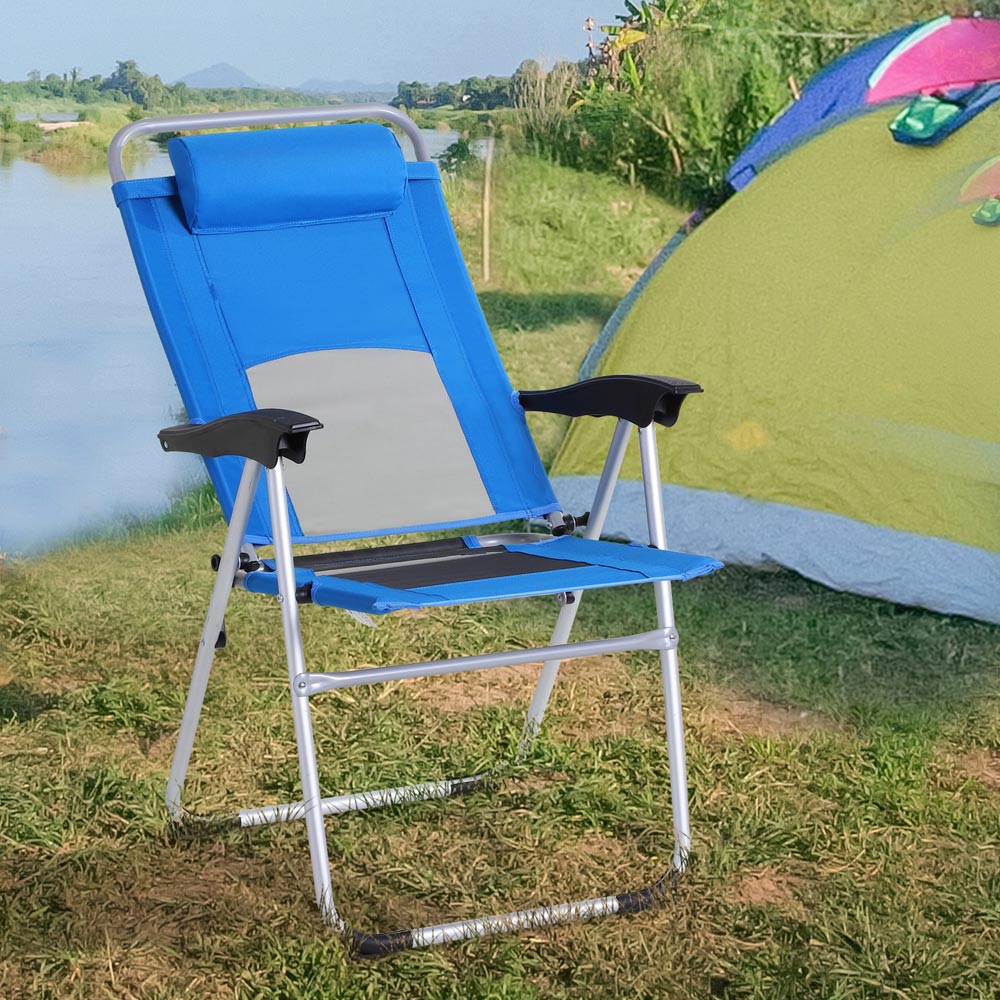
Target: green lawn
[{"x": 843, "y": 754}]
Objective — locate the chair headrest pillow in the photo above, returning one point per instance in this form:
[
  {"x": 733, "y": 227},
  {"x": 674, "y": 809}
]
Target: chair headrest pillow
[{"x": 276, "y": 178}]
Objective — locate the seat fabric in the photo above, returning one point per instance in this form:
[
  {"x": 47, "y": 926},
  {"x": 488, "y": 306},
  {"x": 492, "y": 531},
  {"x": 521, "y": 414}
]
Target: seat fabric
[{"x": 595, "y": 564}]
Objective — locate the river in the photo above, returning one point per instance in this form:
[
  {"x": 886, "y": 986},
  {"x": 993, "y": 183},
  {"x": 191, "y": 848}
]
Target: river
[{"x": 84, "y": 385}]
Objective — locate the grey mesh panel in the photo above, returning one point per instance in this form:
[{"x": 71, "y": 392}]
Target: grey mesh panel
[{"x": 391, "y": 452}]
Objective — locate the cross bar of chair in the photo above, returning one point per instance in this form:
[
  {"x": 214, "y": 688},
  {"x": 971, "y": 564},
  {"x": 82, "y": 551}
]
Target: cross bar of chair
[
  {"x": 307, "y": 684},
  {"x": 336, "y": 805}
]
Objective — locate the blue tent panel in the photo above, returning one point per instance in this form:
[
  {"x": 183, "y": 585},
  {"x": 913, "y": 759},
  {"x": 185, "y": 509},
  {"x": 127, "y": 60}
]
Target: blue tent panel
[{"x": 836, "y": 91}]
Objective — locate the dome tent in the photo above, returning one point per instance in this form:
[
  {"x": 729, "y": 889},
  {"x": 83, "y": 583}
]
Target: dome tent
[{"x": 838, "y": 312}]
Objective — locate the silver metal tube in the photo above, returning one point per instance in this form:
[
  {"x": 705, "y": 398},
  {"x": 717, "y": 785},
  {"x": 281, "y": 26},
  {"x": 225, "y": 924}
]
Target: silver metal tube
[
  {"x": 542, "y": 916},
  {"x": 668, "y": 657},
  {"x": 271, "y": 116},
  {"x": 311, "y": 797},
  {"x": 357, "y": 801},
  {"x": 568, "y": 612},
  {"x": 306, "y": 685},
  {"x": 209, "y": 634}
]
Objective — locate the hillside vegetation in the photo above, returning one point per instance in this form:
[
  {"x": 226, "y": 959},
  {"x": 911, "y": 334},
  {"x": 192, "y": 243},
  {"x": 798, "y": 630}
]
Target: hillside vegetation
[{"x": 677, "y": 87}]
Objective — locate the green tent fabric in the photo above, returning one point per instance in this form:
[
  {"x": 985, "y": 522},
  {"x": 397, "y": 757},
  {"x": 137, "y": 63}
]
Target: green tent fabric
[{"x": 841, "y": 314}]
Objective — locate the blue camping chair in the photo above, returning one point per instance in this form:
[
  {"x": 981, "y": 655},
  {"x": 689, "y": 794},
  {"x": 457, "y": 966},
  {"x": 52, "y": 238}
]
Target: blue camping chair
[{"x": 306, "y": 284}]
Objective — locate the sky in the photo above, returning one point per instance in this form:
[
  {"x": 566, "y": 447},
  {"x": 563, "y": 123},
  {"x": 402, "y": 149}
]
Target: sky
[{"x": 285, "y": 42}]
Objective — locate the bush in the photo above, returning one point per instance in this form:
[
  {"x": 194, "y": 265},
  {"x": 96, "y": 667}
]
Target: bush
[
  {"x": 669, "y": 104},
  {"x": 457, "y": 158},
  {"x": 106, "y": 117},
  {"x": 12, "y": 130}
]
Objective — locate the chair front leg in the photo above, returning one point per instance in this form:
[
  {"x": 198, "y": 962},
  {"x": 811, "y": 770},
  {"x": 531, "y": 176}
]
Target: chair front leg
[
  {"x": 653, "y": 491},
  {"x": 312, "y": 801}
]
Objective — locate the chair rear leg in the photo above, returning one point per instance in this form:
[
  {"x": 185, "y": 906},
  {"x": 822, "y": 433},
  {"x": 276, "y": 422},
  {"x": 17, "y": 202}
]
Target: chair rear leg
[
  {"x": 567, "y": 614},
  {"x": 210, "y": 633},
  {"x": 547, "y": 678},
  {"x": 668, "y": 657}
]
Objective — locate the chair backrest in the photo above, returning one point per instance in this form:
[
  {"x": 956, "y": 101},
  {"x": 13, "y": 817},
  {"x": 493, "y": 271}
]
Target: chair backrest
[{"x": 315, "y": 269}]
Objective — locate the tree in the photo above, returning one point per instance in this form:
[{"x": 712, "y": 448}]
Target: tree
[
  {"x": 410, "y": 95},
  {"x": 445, "y": 93},
  {"x": 54, "y": 85},
  {"x": 474, "y": 92},
  {"x": 135, "y": 86}
]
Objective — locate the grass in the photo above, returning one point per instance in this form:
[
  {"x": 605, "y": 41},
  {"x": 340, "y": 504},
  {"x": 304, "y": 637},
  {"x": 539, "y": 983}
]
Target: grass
[
  {"x": 566, "y": 247},
  {"x": 844, "y": 763}
]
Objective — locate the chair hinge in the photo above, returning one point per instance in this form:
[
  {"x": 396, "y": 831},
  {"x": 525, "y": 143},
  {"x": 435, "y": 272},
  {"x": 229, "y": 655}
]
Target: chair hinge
[
  {"x": 570, "y": 524},
  {"x": 247, "y": 564}
]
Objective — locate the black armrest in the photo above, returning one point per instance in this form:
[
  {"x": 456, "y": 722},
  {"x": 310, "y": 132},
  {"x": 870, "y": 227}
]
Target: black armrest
[
  {"x": 263, "y": 435},
  {"x": 639, "y": 399}
]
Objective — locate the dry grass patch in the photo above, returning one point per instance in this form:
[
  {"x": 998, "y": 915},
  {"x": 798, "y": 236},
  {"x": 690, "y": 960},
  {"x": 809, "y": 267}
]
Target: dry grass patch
[
  {"x": 67, "y": 683},
  {"x": 738, "y": 715},
  {"x": 593, "y": 697},
  {"x": 13, "y": 746},
  {"x": 600, "y": 697},
  {"x": 597, "y": 863},
  {"x": 475, "y": 689},
  {"x": 770, "y": 887},
  {"x": 982, "y": 764},
  {"x": 625, "y": 276},
  {"x": 446, "y": 869}
]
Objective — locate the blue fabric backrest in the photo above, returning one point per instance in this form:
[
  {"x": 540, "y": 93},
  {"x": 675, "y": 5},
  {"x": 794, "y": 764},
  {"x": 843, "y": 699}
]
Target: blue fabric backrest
[{"x": 279, "y": 246}]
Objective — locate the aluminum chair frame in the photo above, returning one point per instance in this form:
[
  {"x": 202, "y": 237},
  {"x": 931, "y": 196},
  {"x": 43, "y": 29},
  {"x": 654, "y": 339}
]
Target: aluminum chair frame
[{"x": 303, "y": 684}]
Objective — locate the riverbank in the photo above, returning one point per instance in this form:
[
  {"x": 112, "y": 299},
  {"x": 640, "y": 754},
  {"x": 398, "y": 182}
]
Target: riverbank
[
  {"x": 76, "y": 145},
  {"x": 34, "y": 136},
  {"x": 844, "y": 774}
]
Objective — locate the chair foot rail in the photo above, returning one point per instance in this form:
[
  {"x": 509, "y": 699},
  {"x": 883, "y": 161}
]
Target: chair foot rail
[
  {"x": 374, "y": 799},
  {"x": 309, "y": 684},
  {"x": 651, "y": 897}
]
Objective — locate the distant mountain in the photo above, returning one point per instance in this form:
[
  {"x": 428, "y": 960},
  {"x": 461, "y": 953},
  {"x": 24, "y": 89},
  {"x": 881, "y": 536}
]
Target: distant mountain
[
  {"x": 221, "y": 75},
  {"x": 315, "y": 86}
]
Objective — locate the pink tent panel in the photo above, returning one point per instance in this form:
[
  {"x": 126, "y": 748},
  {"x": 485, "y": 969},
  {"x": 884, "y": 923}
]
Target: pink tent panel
[
  {"x": 948, "y": 53},
  {"x": 984, "y": 183}
]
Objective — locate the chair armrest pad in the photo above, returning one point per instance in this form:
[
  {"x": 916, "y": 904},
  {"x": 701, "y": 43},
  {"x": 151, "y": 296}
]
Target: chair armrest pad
[
  {"x": 639, "y": 399},
  {"x": 262, "y": 435}
]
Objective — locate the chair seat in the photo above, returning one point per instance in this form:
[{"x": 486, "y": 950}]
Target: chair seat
[{"x": 464, "y": 571}]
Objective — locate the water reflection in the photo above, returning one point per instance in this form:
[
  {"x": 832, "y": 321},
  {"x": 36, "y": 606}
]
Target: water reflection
[{"x": 84, "y": 385}]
